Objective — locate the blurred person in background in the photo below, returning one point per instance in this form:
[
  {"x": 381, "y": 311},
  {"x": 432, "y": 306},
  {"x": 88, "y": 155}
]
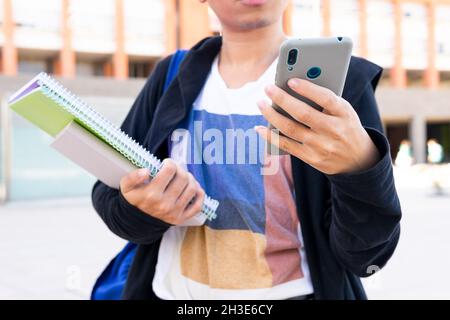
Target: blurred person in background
[
  {"x": 435, "y": 151},
  {"x": 435, "y": 155},
  {"x": 327, "y": 217},
  {"x": 404, "y": 156}
]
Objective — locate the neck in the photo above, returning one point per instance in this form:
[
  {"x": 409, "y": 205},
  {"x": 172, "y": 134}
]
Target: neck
[
  {"x": 244, "y": 56},
  {"x": 251, "y": 47}
]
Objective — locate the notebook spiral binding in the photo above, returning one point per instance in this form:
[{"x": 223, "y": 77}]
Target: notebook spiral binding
[{"x": 112, "y": 134}]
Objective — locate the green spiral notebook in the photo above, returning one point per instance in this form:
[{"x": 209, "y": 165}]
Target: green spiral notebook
[{"x": 52, "y": 108}]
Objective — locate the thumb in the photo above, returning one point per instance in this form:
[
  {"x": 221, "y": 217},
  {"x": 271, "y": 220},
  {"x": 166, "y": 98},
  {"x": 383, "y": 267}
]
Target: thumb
[{"x": 134, "y": 179}]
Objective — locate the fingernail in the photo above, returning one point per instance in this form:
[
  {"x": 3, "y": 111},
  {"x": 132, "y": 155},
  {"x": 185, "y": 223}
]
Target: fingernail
[
  {"x": 294, "y": 83},
  {"x": 143, "y": 173},
  {"x": 270, "y": 89}
]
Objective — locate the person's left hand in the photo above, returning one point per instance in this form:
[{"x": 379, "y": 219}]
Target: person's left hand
[{"x": 333, "y": 141}]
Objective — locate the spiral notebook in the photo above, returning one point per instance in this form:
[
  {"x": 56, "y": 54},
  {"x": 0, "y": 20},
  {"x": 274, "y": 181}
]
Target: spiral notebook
[{"x": 85, "y": 136}]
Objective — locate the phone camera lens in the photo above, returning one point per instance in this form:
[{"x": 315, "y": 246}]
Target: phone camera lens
[
  {"x": 292, "y": 57},
  {"x": 314, "y": 72}
]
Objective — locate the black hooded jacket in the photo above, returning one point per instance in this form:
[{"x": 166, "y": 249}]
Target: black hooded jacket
[{"x": 350, "y": 222}]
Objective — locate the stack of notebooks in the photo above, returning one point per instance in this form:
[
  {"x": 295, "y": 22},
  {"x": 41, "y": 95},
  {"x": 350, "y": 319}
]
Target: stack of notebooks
[{"x": 85, "y": 136}]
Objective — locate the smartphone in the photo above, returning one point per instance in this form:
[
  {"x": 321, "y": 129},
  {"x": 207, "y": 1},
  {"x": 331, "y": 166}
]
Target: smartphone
[{"x": 323, "y": 61}]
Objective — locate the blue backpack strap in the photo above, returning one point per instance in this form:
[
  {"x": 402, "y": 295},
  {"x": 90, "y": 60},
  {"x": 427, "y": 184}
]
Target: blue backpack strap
[
  {"x": 111, "y": 283},
  {"x": 175, "y": 62}
]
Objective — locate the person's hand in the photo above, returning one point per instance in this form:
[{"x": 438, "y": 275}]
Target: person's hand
[
  {"x": 173, "y": 196},
  {"x": 333, "y": 141}
]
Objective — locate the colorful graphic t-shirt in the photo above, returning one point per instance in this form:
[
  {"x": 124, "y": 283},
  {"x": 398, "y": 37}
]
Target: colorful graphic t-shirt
[{"x": 253, "y": 250}]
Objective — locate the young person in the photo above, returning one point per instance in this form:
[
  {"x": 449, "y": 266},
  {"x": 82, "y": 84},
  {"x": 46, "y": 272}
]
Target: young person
[{"x": 328, "y": 215}]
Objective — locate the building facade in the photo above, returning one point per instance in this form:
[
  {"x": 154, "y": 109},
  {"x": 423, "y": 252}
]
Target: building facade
[
  {"x": 101, "y": 45},
  {"x": 117, "y": 38}
]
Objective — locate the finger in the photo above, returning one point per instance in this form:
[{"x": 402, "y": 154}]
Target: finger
[
  {"x": 195, "y": 207},
  {"x": 296, "y": 108},
  {"x": 134, "y": 179},
  {"x": 284, "y": 143},
  {"x": 167, "y": 173},
  {"x": 324, "y": 97},
  {"x": 288, "y": 127},
  {"x": 177, "y": 185},
  {"x": 188, "y": 194}
]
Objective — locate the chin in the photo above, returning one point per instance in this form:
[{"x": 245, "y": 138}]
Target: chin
[
  {"x": 253, "y": 24},
  {"x": 245, "y": 15}
]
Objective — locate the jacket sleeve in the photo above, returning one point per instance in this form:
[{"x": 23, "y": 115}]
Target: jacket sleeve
[
  {"x": 365, "y": 208},
  {"x": 123, "y": 219}
]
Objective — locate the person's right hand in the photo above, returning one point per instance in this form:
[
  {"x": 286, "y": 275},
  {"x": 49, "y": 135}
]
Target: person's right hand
[{"x": 173, "y": 196}]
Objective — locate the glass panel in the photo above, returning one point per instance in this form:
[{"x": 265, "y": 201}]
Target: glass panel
[
  {"x": 144, "y": 27},
  {"x": 345, "y": 20},
  {"x": 307, "y": 19},
  {"x": 34, "y": 66},
  {"x": 442, "y": 36},
  {"x": 38, "y": 171},
  {"x": 93, "y": 25},
  {"x": 2, "y": 36},
  {"x": 38, "y": 23},
  {"x": 90, "y": 69},
  {"x": 414, "y": 36},
  {"x": 381, "y": 32}
]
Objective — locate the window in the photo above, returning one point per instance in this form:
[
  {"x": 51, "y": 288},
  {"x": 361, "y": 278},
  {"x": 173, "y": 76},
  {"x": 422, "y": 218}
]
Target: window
[
  {"x": 414, "y": 36},
  {"x": 443, "y": 40},
  {"x": 307, "y": 18},
  {"x": 381, "y": 32},
  {"x": 345, "y": 21},
  {"x": 92, "y": 25},
  {"x": 35, "y": 65},
  {"x": 144, "y": 27},
  {"x": 140, "y": 69},
  {"x": 439, "y": 134},
  {"x": 89, "y": 69}
]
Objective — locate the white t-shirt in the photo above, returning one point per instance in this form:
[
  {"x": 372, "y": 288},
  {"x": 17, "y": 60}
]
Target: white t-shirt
[{"x": 253, "y": 250}]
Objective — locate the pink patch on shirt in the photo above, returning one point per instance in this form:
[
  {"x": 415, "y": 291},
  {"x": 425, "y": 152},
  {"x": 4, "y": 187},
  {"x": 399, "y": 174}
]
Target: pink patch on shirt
[{"x": 283, "y": 245}]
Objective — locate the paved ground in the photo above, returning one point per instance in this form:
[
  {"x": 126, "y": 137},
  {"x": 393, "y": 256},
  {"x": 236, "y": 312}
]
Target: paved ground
[
  {"x": 55, "y": 250},
  {"x": 52, "y": 250},
  {"x": 419, "y": 268}
]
